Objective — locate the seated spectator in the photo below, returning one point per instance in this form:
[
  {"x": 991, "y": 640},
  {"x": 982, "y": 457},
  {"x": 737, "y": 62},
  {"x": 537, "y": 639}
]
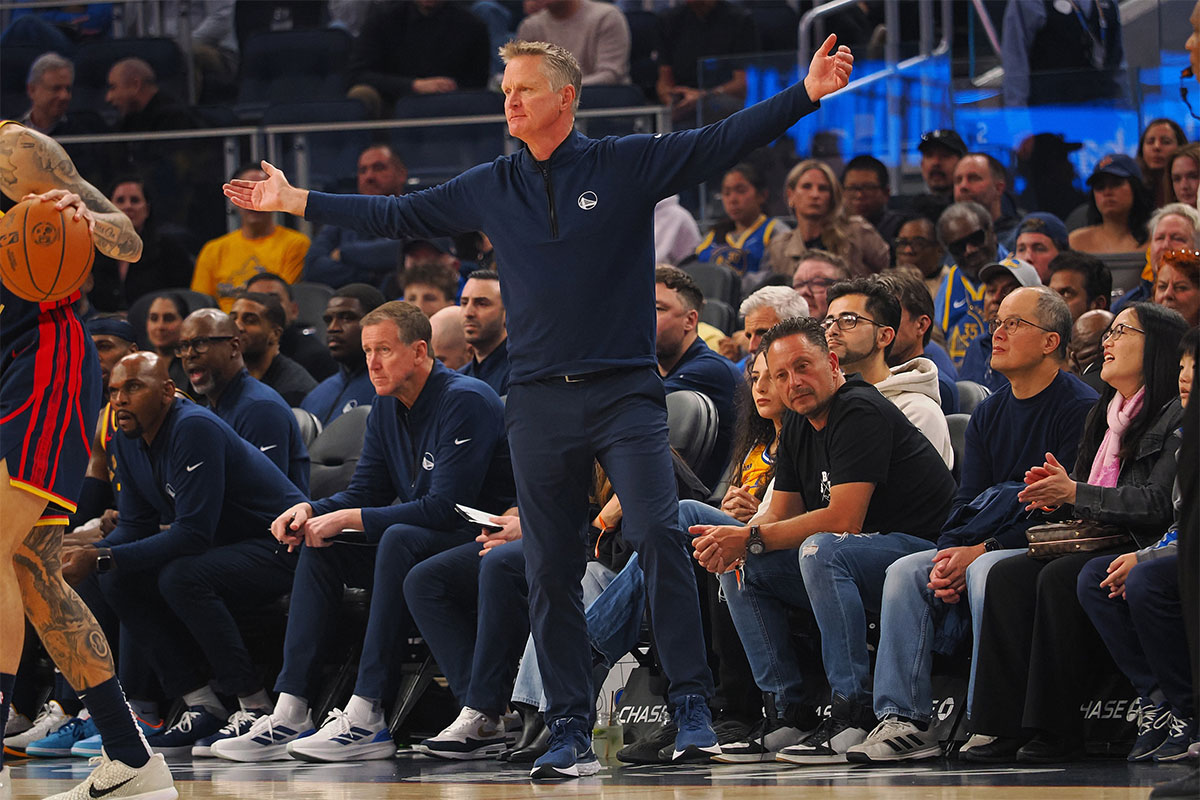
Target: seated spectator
[
  {"x": 815, "y": 196},
  {"x": 941, "y": 150},
  {"x": 596, "y": 33},
  {"x": 1184, "y": 168},
  {"x": 1084, "y": 281},
  {"x": 999, "y": 280},
  {"x": 260, "y": 321},
  {"x": 164, "y": 318},
  {"x": 686, "y": 362},
  {"x": 175, "y": 590},
  {"x": 429, "y": 286},
  {"x": 430, "y": 47},
  {"x": 1160, "y": 139},
  {"x": 51, "y": 79},
  {"x": 297, "y": 342},
  {"x": 133, "y": 91},
  {"x": 1178, "y": 283},
  {"x": 1044, "y": 162},
  {"x": 860, "y": 329},
  {"x": 404, "y": 512},
  {"x": 258, "y": 245},
  {"x": 165, "y": 262},
  {"x": 914, "y": 335},
  {"x": 760, "y": 312},
  {"x": 1118, "y": 208},
  {"x": 483, "y": 324},
  {"x": 815, "y": 273},
  {"x": 59, "y": 28},
  {"x": 965, "y": 229},
  {"x": 448, "y": 339},
  {"x": 1174, "y": 226},
  {"x": 867, "y": 188},
  {"x": 1085, "y": 356},
  {"x": 351, "y": 385},
  {"x": 210, "y": 349},
  {"x": 741, "y": 237},
  {"x": 1133, "y": 601},
  {"x": 689, "y": 33},
  {"x": 1039, "y": 239},
  {"x": 1035, "y": 641},
  {"x": 848, "y": 461},
  {"x": 980, "y": 178},
  {"x": 341, "y": 255},
  {"x": 917, "y": 246},
  {"x": 676, "y": 234},
  {"x": 932, "y": 600}
]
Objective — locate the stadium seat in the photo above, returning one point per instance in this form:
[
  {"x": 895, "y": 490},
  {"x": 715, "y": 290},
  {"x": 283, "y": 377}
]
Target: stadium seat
[
  {"x": 970, "y": 395},
  {"x": 262, "y": 16},
  {"x": 312, "y": 298},
  {"x": 720, "y": 315},
  {"x": 715, "y": 281},
  {"x": 606, "y": 95},
  {"x": 778, "y": 25},
  {"x": 440, "y": 152},
  {"x": 15, "y": 61},
  {"x": 94, "y": 60},
  {"x": 1126, "y": 268},
  {"x": 310, "y": 426},
  {"x": 333, "y": 455},
  {"x": 957, "y": 423},
  {"x": 332, "y": 155},
  {"x": 294, "y": 67},
  {"x": 692, "y": 421},
  {"x": 643, "y": 51}
]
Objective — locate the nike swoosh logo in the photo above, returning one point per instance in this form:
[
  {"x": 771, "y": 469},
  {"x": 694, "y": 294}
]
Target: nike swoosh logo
[
  {"x": 461, "y": 441},
  {"x": 194, "y": 466},
  {"x": 92, "y": 791},
  {"x": 959, "y": 304},
  {"x": 658, "y": 136},
  {"x": 268, "y": 447}
]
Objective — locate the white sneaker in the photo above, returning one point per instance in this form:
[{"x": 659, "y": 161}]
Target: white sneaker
[
  {"x": 976, "y": 740},
  {"x": 472, "y": 736},
  {"x": 17, "y": 723},
  {"x": 47, "y": 722},
  {"x": 826, "y": 745},
  {"x": 267, "y": 740},
  {"x": 894, "y": 740},
  {"x": 5, "y": 783},
  {"x": 339, "y": 739},
  {"x": 114, "y": 780}
]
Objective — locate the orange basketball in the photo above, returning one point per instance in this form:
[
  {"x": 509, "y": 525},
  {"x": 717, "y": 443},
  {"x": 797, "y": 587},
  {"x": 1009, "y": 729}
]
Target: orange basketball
[{"x": 45, "y": 254}]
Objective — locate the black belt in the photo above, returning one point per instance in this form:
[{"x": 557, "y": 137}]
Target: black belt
[{"x": 584, "y": 377}]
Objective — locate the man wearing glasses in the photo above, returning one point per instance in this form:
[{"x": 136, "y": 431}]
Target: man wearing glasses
[
  {"x": 866, "y": 188},
  {"x": 966, "y": 231},
  {"x": 999, "y": 280},
  {"x": 176, "y": 590},
  {"x": 816, "y": 272},
  {"x": 210, "y": 350},
  {"x": 1042, "y": 410}
]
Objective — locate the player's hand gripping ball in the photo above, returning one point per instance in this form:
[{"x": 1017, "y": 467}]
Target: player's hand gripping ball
[{"x": 45, "y": 254}]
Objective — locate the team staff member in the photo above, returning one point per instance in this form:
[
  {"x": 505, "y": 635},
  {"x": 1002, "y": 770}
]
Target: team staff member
[
  {"x": 48, "y": 372},
  {"x": 571, "y": 222},
  {"x": 350, "y": 386}
]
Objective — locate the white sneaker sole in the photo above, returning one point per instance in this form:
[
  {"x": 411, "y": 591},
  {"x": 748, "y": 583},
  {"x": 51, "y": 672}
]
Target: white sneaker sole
[
  {"x": 486, "y": 751},
  {"x": 374, "y": 751},
  {"x": 743, "y": 758},
  {"x": 814, "y": 759},
  {"x": 274, "y": 752},
  {"x": 580, "y": 769}
]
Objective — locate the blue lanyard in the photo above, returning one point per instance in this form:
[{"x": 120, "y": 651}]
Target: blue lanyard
[{"x": 1102, "y": 42}]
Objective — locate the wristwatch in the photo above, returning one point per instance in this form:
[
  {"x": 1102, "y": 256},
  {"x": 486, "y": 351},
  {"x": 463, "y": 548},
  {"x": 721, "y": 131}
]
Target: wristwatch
[
  {"x": 755, "y": 546},
  {"x": 992, "y": 544},
  {"x": 104, "y": 561}
]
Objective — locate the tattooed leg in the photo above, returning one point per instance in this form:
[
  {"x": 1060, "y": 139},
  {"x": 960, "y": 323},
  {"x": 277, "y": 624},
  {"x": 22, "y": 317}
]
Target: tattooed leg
[{"x": 20, "y": 511}]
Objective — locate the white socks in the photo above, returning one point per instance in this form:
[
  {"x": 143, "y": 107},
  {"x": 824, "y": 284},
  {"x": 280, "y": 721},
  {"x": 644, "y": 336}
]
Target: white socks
[
  {"x": 289, "y": 708},
  {"x": 368, "y": 713},
  {"x": 259, "y": 701},
  {"x": 206, "y": 697}
]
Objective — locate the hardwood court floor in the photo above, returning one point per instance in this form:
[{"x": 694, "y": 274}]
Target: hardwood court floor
[{"x": 420, "y": 778}]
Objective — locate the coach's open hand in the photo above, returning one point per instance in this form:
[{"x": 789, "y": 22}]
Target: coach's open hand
[
  {"x": 273, "y": 194},
  {"x": 829, "y": 70}
]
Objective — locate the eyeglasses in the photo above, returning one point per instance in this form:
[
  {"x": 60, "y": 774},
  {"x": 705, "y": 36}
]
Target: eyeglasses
[
  {"x": 958, "y": 247},
  {"x": 1117, "y": 331},
  {"x": 1011, "y": 325},
  {"x": 848, "y": 321},
  {"x": 199, "y": 345},
  {"x": 916, "y": 243},
  {"x": 814, "y": 283},
  {"x": 861, "y": 188}
]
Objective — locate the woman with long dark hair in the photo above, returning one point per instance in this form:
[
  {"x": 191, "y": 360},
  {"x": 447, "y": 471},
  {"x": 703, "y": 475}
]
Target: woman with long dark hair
[
  {"x": 1037, "y": 649},
  {"x": 1119, "y": 206},
  {"x": 740, "y": 238},
  {"x": 1161, "y": 138}
]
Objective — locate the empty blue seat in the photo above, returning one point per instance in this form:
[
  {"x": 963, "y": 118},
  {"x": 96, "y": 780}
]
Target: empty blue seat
[
  {"x": 294, "y": 67},
  {"x": 440, "y": 152},
  {"x": 332, "y": 156}
]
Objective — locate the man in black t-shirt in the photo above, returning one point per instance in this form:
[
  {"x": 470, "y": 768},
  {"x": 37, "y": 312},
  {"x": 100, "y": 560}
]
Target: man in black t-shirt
[{"x": 856, "y": 487}]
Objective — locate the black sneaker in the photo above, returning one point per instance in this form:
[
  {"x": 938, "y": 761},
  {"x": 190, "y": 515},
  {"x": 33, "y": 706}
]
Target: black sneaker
[
  {"x": 1153, "y": 725},
  {"x": 647, "y": 750},
  {"x": 762, "y": 742},
  {"x": 848, "y": 724}
]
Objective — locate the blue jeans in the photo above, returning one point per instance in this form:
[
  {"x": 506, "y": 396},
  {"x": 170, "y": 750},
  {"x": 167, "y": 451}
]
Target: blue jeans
[{"x": 914, "y": 624}]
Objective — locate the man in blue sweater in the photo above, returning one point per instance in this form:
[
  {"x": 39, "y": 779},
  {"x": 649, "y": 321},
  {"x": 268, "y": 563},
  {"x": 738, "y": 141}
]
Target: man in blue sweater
[
  {"x": 350, "y": 386},
  {"x": 571, "y": 222},
  {"x": 212, "y": 359},
  {"x": 932, "y": 600},
  {"x": 434, "y": 438},
  {"x": 176, "y": 590}
]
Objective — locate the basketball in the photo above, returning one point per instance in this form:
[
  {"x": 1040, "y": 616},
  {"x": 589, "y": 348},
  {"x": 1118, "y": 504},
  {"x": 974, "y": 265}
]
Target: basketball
[{"x": 45, "y": 254}]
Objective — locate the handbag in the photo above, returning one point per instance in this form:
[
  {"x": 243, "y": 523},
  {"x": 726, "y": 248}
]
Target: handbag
[{"x": 1048, "y": 542}]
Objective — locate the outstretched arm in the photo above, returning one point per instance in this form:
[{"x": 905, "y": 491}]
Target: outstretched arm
[
  {"x": 273, "y": 194},
  {"x": 33, "y": 163}
]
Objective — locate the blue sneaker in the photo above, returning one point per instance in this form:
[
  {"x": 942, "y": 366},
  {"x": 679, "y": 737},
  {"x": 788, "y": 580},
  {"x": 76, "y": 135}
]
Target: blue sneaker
[
  {"x": 569, "y": 755},
  {"x": 93, "y": 746},
  {"x": 195, "y": 724},
  {"x": 240, "y": 722},
  {"x": 696, "y": 740},
  {"x": 59, "y": 743}
]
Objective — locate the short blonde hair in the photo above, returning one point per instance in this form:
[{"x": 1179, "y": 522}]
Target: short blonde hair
[{"x": 558, "y": 64}]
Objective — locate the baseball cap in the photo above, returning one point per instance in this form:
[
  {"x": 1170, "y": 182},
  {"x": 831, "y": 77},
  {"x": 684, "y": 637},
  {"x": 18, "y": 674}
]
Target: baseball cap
[
  {"x": 1118, "y": 164},
  {"x": 108, "y": 326},
  {"x": 1047, "y": 224},
  {"x": 1023, "y": 271},
  {"x": 947, "y": 138}
]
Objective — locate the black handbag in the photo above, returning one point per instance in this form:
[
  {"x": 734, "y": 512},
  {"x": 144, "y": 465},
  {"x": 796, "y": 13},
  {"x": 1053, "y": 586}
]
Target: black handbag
[{"x": 1048, "y": 542}]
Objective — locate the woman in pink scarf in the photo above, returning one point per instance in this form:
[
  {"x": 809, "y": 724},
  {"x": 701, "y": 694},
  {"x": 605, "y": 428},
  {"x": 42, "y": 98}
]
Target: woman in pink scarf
[{"x": 1040, "y": 659}]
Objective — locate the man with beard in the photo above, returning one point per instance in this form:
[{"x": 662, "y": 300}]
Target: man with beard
[
  {"x": 212, "y": 358},
  {"x": 483, "y": 323},
  {"x": 350, "y": 386},
  {"x": 260, "y": 322}
]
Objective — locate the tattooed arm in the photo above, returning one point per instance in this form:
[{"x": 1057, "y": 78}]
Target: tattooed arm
[{"x": 32, "y": 163}]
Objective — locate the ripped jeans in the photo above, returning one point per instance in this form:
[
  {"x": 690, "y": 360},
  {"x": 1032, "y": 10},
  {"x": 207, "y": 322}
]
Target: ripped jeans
[{"x": 840, "y": 577}]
